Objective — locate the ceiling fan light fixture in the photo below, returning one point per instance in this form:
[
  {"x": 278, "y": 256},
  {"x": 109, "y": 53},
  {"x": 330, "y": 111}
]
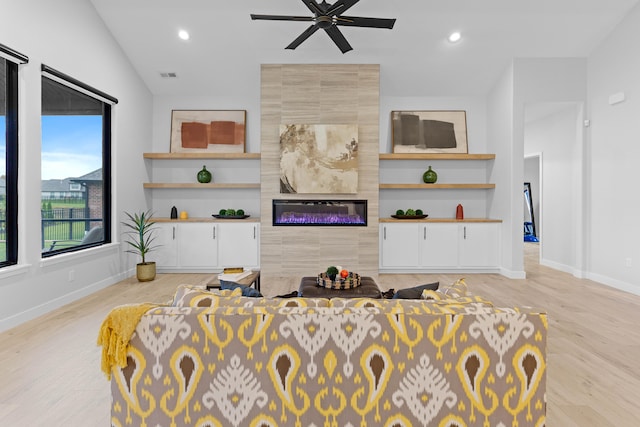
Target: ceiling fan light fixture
[
  {"x": 455, "y": 37},
  {"x": 329, "y": 17}
]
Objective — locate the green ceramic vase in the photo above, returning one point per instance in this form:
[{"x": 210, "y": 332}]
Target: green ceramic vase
[
  {"x": 204, "y": 175},
  {"x": 430, "y": 176}
]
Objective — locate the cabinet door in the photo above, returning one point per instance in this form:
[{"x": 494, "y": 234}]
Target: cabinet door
[
  {"x": 479, "y": 245},
  {"x": 439, "y": 245},
  {"x": 166, "y": 254},
  {"x": 198, "y": 245},
  {"x": 399, "y": 245},
  {"x": 239, "y": 245}
]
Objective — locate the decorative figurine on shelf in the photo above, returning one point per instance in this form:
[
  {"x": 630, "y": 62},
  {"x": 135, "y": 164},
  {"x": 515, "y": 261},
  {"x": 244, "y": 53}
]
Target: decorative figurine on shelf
[
  {"x": 184, "y": 215},
  {"x": 174, "y": 213},
  {"x": 430, "y": 176},
  {"x": 204, "y": 176},
  {"x": 459, "y": 212}
]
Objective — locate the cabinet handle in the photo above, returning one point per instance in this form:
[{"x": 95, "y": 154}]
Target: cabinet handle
[
  {"x": 425, "y": 233},
  {"x": 254, "y": 232},
  {"x": 465, "y": 232},
  {"x": 384, "y": 233},
  {"x": 214, "y": 232},
  {"x": 174, "y": 232}
]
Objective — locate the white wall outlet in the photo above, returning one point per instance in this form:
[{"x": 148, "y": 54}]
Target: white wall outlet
[
  {"x": 72, "y": 275},
  {"x": 627, "y": 262}
]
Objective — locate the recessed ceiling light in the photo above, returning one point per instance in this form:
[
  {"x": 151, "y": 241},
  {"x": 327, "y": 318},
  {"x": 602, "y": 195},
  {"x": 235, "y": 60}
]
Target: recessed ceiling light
[
  {"x": 455, "y": 37},
  {"x": 183, "y": 35}
]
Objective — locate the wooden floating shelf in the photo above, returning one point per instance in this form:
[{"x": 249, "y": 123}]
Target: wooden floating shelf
[
  {"x": 198, "y": 185},
  {"x": 440, "y": 220},
  {"x": 437, "y": 186},
  {"x": 207, "y": 219},
  {"x": 183, "y": 156},
  {"x": 435, "y": 156}
]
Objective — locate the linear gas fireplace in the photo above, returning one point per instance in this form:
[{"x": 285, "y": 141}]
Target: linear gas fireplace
[{"x": 320, "y": 212}]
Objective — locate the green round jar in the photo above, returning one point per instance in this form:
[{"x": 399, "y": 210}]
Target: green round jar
[
  {"x": 430, "y": 176},
  {"x": 204, "y": 176}
]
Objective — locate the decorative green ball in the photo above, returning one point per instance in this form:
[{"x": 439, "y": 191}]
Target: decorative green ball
[
  {"x": 240, "y": 212},
  {"x": 231, "y": 212},
  {"x": 399, "y": 212},
  {"x": 410, "y": 212},
  {"x": 222, "y": 212},
  {"x": 419, "y": 212}
]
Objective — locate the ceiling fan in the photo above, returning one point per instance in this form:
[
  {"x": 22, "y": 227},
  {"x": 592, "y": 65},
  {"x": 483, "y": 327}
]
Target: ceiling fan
[{"x": 328, "y": 17}]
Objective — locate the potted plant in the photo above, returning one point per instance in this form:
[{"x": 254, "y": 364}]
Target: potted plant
[{"x": 141, "y": 233}]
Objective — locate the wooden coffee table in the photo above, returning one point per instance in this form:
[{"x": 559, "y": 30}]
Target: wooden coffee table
[
  {"x": 368, "y": 289},
  {"x": 252, "y": 279}
]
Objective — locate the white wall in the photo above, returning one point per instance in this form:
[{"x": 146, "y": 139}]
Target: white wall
[
  {"x": 199, "y": 202},
  {"x": 69, "y": 36},
  {"x": 614, "y": 142},
  {"x": 500, "y": 136},
  {"x": 555, "y": 137},
  {"x": 437, "y": 204},
  {"x": 525, "y": 81},
  {"x": 203, "y": 203}
]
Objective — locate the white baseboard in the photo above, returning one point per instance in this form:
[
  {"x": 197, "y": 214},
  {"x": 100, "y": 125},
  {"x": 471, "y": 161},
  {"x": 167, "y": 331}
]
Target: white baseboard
[
  {"x": 42, "y": 309},
  {"x": 557, "y": 266},
  {"x": 614, "y": 283},
  {"x": 510, "y": 274}
]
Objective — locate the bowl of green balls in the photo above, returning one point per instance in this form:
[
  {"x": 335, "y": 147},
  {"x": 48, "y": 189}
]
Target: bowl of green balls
[
  {"x": 231, "y": 214},
  {"x": 409, "y": 214}
]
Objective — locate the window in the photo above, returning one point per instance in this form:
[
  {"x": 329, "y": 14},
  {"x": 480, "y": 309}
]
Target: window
[
  {"x": 9, "y": 61},
  {"x": 75, "y": 164}
]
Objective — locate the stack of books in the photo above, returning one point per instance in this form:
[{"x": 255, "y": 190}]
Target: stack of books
[{"x": 233, "y": 274}]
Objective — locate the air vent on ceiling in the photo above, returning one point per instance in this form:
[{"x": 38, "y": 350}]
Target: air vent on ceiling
[{"x": 168, "y": 75}]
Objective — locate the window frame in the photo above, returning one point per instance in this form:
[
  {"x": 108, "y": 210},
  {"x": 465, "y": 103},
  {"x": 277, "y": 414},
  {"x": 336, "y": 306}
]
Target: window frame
[
  {"x": 107, "y": 102},
  {"x": 12, "y": 61}
]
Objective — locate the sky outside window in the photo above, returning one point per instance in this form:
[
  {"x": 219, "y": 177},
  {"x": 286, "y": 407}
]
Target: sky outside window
[{"x": 71, "y": 146}]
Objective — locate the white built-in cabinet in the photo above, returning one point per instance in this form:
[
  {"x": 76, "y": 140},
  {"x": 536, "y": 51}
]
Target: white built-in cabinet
[
  {"x": 422, "y": 246},
  {"x": 438, "y": 243},
  {"x": 206, "y": 245},
  {"x": 239, "y": 244}
]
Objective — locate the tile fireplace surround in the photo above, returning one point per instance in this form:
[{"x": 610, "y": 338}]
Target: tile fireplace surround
[{"x": 319, "y": 94}]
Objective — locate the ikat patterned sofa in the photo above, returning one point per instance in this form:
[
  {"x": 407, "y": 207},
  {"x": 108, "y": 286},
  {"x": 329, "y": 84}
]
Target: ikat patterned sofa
[{"x": 213, "y": 360}]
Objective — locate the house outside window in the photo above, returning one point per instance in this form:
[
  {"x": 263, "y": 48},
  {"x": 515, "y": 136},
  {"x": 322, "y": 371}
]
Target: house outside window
[{"x": 75, "y": 165}]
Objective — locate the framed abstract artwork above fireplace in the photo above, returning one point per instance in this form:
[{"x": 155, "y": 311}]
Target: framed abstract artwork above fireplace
[{"x": 318, "y": 159}]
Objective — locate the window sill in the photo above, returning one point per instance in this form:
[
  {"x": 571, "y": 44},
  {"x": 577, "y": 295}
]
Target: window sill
[
  {"x": 75, "y": 256},
  {"x": 14, "y": 270}
]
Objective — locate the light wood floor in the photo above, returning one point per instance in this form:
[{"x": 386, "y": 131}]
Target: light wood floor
[{"x": 50, "y": 367}]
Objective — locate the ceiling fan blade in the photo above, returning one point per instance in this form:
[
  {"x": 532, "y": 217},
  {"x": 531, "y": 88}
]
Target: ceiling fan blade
[
  {"x": 338, "y": 39},
  {"x": 281, "y": 17},
  {"x": 341, "y": 6},
  {"x": 358, "y": 21},
  {"x": 313, "y": 7},
  {"x": 302, "y": 37}
]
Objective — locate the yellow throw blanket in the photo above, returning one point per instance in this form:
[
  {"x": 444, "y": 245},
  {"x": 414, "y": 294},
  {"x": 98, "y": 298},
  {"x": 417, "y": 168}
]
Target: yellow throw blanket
[{"x": 115, "y": 334}]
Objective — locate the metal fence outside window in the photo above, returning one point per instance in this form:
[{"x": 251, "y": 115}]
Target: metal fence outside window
[{"x": 66, "y": 224}]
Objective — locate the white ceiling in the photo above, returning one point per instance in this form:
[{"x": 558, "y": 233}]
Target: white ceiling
[{"x": 415, "y": 58}]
